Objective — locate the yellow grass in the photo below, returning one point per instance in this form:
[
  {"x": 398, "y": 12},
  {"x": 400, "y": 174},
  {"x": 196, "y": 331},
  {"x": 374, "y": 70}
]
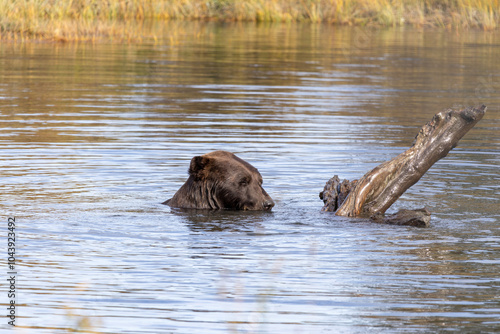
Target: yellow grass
[{"x": 70, "y": 20}]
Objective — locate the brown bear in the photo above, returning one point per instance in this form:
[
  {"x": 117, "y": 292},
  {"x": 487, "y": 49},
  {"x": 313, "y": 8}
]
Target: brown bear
[{"x": 221, "y": 180}]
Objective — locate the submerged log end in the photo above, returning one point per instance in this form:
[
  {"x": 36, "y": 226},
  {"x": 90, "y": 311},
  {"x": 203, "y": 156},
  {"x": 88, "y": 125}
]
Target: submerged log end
[
  {"x": 335, "y": 193},
  {"x": 416, "y": 218},
  {"x": 329, "y": 195}
]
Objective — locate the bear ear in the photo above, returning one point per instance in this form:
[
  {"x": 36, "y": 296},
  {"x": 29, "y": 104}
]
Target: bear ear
[{"x": 197, "y": 167}]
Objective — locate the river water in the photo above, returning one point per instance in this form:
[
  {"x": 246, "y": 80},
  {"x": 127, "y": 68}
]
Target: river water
[{"x": 95, "y": 137}]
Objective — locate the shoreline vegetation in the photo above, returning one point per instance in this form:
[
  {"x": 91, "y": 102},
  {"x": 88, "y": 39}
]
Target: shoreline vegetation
[{"x": 128, "y": 20}]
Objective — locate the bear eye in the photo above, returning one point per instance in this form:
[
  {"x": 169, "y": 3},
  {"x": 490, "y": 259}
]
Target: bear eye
[{"x": 244, "y": 182}]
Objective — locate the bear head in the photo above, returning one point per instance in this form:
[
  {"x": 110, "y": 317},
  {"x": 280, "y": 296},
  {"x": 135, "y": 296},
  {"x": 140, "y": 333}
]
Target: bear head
[{"x": 221, "y": 180}]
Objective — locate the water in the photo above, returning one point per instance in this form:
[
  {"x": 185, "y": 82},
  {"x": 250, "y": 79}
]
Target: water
[{"x": 95, "y": 137}]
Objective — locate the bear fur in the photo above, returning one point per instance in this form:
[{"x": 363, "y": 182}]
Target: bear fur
[{"x": 221, "y": 180}]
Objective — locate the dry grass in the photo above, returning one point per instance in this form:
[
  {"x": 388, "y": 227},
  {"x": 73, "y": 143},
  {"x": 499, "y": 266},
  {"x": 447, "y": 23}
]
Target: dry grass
[{"x": 70, "y": 20}]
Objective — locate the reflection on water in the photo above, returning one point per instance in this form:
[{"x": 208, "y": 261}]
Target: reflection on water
[{"x": 95, "y": 137}]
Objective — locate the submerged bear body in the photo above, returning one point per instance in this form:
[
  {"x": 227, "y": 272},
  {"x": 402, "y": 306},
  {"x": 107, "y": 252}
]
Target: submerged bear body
[{"x": 221, "y": 180}]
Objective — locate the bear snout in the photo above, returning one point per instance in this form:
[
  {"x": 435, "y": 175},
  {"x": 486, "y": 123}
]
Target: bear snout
[{"x": 268, "y": 205}]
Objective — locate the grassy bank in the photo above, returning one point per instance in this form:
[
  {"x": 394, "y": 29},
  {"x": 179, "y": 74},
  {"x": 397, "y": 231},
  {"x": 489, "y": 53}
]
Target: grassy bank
[{"x": 92, "y": 19}]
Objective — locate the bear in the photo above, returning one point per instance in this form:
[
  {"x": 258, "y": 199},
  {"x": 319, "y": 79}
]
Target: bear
[{"x": 221, "y": 180}]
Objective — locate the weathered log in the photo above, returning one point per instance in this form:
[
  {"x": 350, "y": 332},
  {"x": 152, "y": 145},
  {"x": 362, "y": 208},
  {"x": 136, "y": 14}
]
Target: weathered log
[{"x": 378, "y": 189}]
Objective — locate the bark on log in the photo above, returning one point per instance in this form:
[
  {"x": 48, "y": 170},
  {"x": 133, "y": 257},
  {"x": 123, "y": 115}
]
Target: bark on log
[
  {"x": 335, "y": 193},
  {"x": 378, "y": 189}
]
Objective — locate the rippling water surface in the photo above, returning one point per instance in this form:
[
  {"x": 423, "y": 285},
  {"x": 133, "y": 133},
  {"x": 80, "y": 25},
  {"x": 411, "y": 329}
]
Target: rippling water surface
[{"x": 95, "y": 137}]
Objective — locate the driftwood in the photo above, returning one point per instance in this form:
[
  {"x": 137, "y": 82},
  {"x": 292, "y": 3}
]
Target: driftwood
[{"x": 378, "y": 189}]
